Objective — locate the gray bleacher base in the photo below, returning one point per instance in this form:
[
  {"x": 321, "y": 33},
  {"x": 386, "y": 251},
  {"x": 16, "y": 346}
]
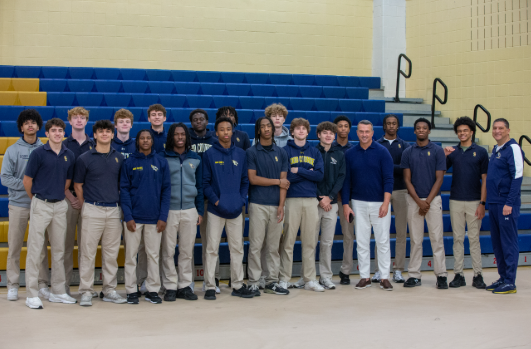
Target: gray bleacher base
[{"x": 487, "y": 260}]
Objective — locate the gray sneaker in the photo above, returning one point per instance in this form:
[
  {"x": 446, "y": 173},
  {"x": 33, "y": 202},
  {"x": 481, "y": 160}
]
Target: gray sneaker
[
  {"x": 94, "y": 294},
  {"x": 298, "y": 284},
  {"x": 262, "y": 283},
  {"x": 114, "y": 297},
  {"x": 86, "y": 299},
  {"x": 397, "y": 277},
  {"x": 377, "y": 277}
]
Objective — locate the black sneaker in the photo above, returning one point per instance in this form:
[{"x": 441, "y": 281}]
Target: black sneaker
[
  {"x": 254, "y": 290},
  {"x": 478, "y": 282},
  {"x": 242, "y": 292},
  {"x": 345, "y": 279},
  {"x": 170, "y": 296},
  {"x": 442, "y": 283},
  {"x": 459, "y": 280},
  {"x": 412, "y": 282},
  {"x": 187, "y": 294},
  {"x": 138, "y": 293},
  {"x": 274, "y": 288},
  {"x": 210, "y": 295},
  {"x": 132, "y": 298},
  {"x": 101, "y": 294},
  {"x": 152, "y": 297}
]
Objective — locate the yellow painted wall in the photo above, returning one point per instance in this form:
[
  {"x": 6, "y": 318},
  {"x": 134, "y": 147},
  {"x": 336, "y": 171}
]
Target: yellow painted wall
[
  {"x": 282, "y": 36},
  {"x": 481, "y": 49}
]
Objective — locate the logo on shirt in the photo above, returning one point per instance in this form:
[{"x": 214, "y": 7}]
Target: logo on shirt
[
  {"x": 220, "y": 162},
  {"x": 25, "y": 157},
  {"x": 474, "y": 154},
  {"x": 237, "y": 139},
  {"x": 499, "y": 155},
  {"x": 191, "y": 165},
  {"x": 302, "y": 159},
  {"x": 276, "y": 159},
  {"x": 138, "y": 168},
  {"x": 334, "y": 161},
  {"x": 155, "y": 168},
  {"x": 399, "y": 146},
  {"x": 66, "y": 159},
  {"x": 429, "y": 154},
  {"x": 235, "y": 162},
  {"x": 116, "y": 160},
  {"x": 90, "y": 147}
]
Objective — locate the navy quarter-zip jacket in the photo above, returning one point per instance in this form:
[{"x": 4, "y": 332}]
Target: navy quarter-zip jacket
[{"x": 505, "y": 175}]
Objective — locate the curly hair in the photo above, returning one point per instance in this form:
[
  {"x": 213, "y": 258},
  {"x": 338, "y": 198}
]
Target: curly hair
[
  {"x": 299, "y": 122},
  {"x": 78, "y": 111},
  {"x": 326, "y": 126},
  {"x": 103, "y": 125},
  {"x": 54, "y": 122},
  {"x": 170, "y": 140},
  {"x": 156, "y": 107},
  {"x": 223, "y": 111},
  {"x": 275, "y": 109},
  {"x": 27, "y": 115},
  {"x": 465, "y": 120},
  {"x": 123, "y": 114}
]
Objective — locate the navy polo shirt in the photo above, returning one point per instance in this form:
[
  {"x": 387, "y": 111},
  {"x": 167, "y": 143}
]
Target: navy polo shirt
[
  {"x": 468, "y": 167},
  {"x": 268, "y": 164},
  {"x": 159, "y": 141},
  {"x": 343, "y": 148},
  {"x": 396, "y": 148},
  {"x": 50, "y": 171},
  {"x": 78, "y": 149},
  {"x": 241, "y": 139},
  {"x": 423, "y": 163},
  {"x": 100, "y": 175}
]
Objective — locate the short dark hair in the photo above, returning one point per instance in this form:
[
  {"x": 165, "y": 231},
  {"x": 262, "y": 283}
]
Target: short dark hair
[
  {"x": 422, "y": 120},
  {"x": 156, "y": 107},
  {"x": 465, "y": 120},
  {"x": 299, "y": 122},
  {"x": 228, "y": 109},
  {"x": 138, "y": 136},
  {"x": 26, "y": 115},
  {"x": 326, "y": 126},
  {"x": 222, "y": 119},
  {"x": 54, "y": 122},
  {"x": 504, "y": 120},
  {"x": 343, "y": 118},
  {"x": 170, "y": 140},
  {"x": 258, "y": 125},
  {"x": 103, "y": 125},
  {"x": 391, "y": 116},
  {"x": 198, "y": 111}
]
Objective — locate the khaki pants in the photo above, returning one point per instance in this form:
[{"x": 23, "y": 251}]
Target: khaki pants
[
  {"x": 233, "y": 229},
  {"x": 264, "y": 234},
  {"x": 18, "y": 221},
  {"x": 99, "y": 223},
  {"x": 141, "y": 268},
  {"x": 52, "y": 217},
  {"x": 300, "y": 212},
  {"x": 416, "y": 235},
  {"x": 462, "y": 212},
  {"x": 204, "y": 241},
  {"x": 182, "y": 224},
  {"x": 152, "y": 238},
  {"x": 347, "y": 229},
  {"x": 73, "y": 220},
  {"x": 327, "y": 225},
  {"x": 399, "y": 202}
]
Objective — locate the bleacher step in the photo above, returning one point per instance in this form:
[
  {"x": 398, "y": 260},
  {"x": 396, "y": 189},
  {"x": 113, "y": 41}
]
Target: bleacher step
[
  {"x": 407, "y": 107},
  {"x": 409, "y": 121}
]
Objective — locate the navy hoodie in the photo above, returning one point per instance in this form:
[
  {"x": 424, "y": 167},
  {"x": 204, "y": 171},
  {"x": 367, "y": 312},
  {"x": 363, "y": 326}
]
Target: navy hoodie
[
  {"x": 505, "y": 175},
  {"x": 159, "y": 140},
  {"x": 201, "y": 144},
  {"x": 308, "y": 159},
  {"x": 145, "y": 188},
  {"x": 126, "y": 148},
  {"x": 225, "y": 180}
]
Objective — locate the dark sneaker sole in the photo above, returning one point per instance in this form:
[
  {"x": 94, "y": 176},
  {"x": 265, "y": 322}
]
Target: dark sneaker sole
[
  {"x": 386, "y": 289},
  {"x": 480, "y": 287},
  {"x": 169, "y": 299},
  {"x": 188, "y": 299},
  {"x": 399, "y": 281},
  {"x": 361, "y": 288},
  {"x": 210, "y": 298},
  {"x": 128, "y": 302},
  {"x": 153, "y": 302},
  {"x": 457, "y": 286},
  {"x": 415, "y": 285},
  {"x": 344, "y": 282},
  {"x": 274, "y": 292},
  {"x": 442, "y": 287},
  {"x": 242, "y": 296}
]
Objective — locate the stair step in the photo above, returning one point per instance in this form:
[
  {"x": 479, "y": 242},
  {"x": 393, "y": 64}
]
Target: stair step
[
  {"x": 413, "y": 107},
  {"x": 412, "y": 112},
  {"x": 402, "y": 100}
]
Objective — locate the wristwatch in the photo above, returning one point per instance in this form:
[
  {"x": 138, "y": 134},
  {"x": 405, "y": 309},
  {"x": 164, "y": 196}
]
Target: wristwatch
[{"x": 482, "y": 203}]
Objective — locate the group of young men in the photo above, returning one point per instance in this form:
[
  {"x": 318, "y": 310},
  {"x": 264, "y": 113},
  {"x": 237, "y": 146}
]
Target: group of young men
[{"x": 155, "y": 189}]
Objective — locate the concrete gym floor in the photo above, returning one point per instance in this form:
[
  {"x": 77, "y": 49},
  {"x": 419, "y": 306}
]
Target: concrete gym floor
[{"x": 422, "y": 317}]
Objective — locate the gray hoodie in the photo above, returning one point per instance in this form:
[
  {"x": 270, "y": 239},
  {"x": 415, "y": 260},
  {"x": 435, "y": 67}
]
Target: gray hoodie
[
  {"x": 13, "y": 169},
  {"x": 281, "y": 140}
]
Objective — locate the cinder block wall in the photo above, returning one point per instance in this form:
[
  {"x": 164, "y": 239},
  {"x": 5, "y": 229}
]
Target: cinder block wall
[
  {"x": 481, "y": 49},
  {"x": 277, "y": 36}
]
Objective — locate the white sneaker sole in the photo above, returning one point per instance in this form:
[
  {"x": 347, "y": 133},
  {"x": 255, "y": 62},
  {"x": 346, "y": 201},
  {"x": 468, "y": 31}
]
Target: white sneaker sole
[
  {"x": 218, "y": 291},
  {"x": 52, "y": 299},
  {"x": 386, "y": 289},
  {"x": 361, "y": 288},
  {"x": 12, "y": 298},
  {"x": 315, "y": 289},
  {"x": 333, "y": 287},
  {"x": 115, "y": 301},
  {"x": 85, "y": 304},
  {"x": 33, "y": 306}
]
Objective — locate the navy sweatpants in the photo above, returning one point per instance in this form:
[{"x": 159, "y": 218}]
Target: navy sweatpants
[{"x": 504, "y": 235}]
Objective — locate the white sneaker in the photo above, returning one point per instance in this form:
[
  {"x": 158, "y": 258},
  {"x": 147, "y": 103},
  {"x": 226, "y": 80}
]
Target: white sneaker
[
  {"x": 114, "y": 297},
  {"x": 314, "y": 286},
  {"x": 327, "y": 284},
  {"x": 377, "y": 277},
  {"x": 298, "y": 284},
  {"x": 34, "y": 303},
  {"x": 63, "y": 298},
  {"x": 283, "y": 284},
  {"x": 86, "y": 299},
  {"x": 44, "y": 293},
  {"x": 218, "y": 291},
  {"x": 397, "y": 277},
  {"x": 262, "y": 283},
  {"x": 143, "y": 288},
  {"x": 12, "y": 294}
]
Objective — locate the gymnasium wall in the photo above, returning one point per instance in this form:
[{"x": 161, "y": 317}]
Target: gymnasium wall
[
  {"x": 481, "y": 49},
  {"x": 274, "y": 36}
]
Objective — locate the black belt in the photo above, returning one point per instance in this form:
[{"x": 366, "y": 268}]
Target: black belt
[
  {"x": 46, "y": 200},
  {"x": 103, "y": 204}
]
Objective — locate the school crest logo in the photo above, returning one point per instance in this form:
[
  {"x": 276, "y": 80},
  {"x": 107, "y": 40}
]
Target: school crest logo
[
  {"x": 429, "y": 153},
  {"x": 474, "y": 154},
  {"x": 155, "y": 168},
  {"x": 497, "y": 156},
  {"x": 116, "y": 160},
  {"x": 66, "y": 159},
  {"x": 399, "y": 146},
  {"x": 235, "y": 162},
  {"x": 90, "y": 147},
  {"x": 333, "y": 161},
  {"x": 276, "y": 159},
  {"x": 191, "y": 165},
  {"x": 237, "y": 139}
]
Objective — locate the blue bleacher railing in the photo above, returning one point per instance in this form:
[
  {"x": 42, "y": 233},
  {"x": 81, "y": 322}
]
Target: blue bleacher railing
[
  {"x": 528, "y": 141},
  {"x": 478, "y": 106},
  {"x": 400, "y": 72},
  {"x": 434, "y": 96}
]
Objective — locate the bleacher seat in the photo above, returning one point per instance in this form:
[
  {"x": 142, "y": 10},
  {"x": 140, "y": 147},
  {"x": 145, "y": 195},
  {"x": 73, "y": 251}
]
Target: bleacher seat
[
  {"x": 108, "y": 86},
  {"x": 334, "y": 92},
  {"x": 310, "y": 91},
  {"x": 81, "y": 73},
  {"x": 238, "y": 89},
  {"x": 160, "y": 87},
  {"x": 326, "y": 104},
  {"x": 7, "y": 71},
  {"x": 232, "y": 78},
  {"x": 89, "y": 99},
  {"x": 135, "y": 86},
  {"x": 263, "y": 90},
  {"x": 326, "y": 80},
  {"x": 185, "y": 76},
  {"x": 54, "y": 72},
  {"x": 222, "y": 101},
  {"x": 280, "y": 79},
  {"x": 76, "y": 85},
  {"x": 117, "y": 99},
  {"x": 287, "y": 91},
  {"x": 348, "y": 81},
  {"x": 159, "y": 75},
  {"x": 144, "y": 99},
  {"x": 252, "y": 102},
  {"x": 208, "y": 76},
  {"x": 256, "y": 78},
  {"x": 300, "y": 79},
  {"x": 27, "y": 72},
  {"x": 173, "y": 101},
  {"x": 53, "y": 85},
  {"x": 209, "y": 88},
  {"x": 133, "y": 74},
  {"x": 107, "y": 73},
  {"x": 187, "y": 88}
]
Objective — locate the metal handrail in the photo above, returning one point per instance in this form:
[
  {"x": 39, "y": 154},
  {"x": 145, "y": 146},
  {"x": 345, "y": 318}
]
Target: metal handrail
[
  {"x": 434, "y": 96},
  {"x": 476, "y": 117},
  {"x": 399, "y": 71},
  {"x": 520, "y": 143}
]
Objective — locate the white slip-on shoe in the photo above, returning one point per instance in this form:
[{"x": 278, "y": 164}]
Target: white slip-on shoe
[
  {"x": 12, "y": 294},
  {"x": 327, "y": 284},
  {"x": 114, "y": 297},
  {"x": 63, "y": 298},
  {"x": 34, "y": 303},
  {"x": 86, "y": 299},
  {"x": 314, "y": 286},
  {"x": 44, "y": 293}
]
